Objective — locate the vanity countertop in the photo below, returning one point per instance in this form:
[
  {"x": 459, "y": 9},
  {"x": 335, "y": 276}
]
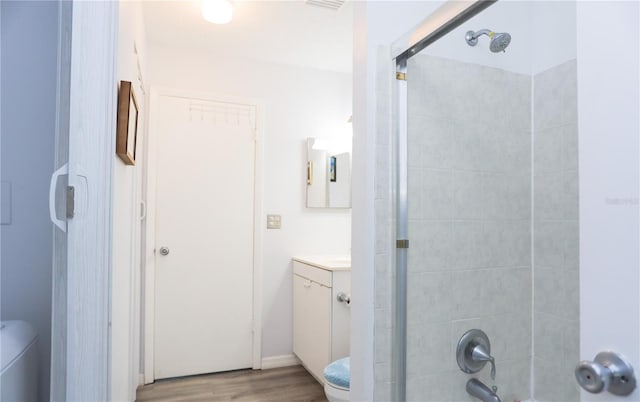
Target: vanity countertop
[{"x": 327, "y": 262}]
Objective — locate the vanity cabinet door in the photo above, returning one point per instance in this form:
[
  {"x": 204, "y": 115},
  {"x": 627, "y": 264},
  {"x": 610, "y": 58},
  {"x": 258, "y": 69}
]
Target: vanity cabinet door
[{"x": 312, "y": 325}]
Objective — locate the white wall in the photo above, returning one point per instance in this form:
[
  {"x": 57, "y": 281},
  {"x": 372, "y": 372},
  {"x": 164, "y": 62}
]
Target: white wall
[
  {"x": 299, "y": 103},
  {"x": 609, "y": 123},
  {"x": 126, "y": 273},
  {"x": 29, "y": 74}
]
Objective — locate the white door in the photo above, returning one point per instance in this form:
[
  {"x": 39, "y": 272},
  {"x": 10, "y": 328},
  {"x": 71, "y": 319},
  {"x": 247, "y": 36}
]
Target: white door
[
  {"x": 205, "y": 220},
  {"x": 87, "y": 94},
  {"x": 609, "y": 100}
]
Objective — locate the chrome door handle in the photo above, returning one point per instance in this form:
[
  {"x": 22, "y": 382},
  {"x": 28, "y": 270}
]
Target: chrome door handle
[
  {"x": 164, "y": 250},
  {"x": 608, "y": 372}
]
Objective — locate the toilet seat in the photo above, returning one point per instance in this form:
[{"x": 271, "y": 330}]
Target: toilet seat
[{"x": 337, "y": 380}]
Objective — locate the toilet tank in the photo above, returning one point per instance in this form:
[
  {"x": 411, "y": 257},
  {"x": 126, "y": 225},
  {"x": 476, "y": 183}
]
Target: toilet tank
[{"x": 19, "y": 357}]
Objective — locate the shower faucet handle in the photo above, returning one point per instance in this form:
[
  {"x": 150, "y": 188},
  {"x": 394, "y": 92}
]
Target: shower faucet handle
[
  {"x": 608, "y": 371},
  {"x": 474, "y": 351},
  {"x": 480, "y": 354}
]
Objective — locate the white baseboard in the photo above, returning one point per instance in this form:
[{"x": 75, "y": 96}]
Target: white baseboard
[{"x": 279, "y": 361}]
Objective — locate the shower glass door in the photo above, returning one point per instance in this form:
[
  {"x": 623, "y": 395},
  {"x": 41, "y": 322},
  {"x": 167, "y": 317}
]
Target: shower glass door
[{"x": 492, "y": 209}]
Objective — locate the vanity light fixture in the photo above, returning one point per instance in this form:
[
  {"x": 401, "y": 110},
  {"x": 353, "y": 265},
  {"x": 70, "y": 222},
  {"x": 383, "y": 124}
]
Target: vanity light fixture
[{"x": 217, "y": 11}]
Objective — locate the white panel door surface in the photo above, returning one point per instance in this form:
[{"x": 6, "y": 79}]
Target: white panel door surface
[
  {"x": 205, "y": 218},
  {"x": 87, "y": 96},
  {"x": 609, "y": 126}
]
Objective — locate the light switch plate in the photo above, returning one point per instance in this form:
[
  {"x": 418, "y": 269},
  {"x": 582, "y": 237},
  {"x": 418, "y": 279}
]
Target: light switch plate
[
  {"x": 274, "y": 221},
  {"x": 5, "y": 203}
]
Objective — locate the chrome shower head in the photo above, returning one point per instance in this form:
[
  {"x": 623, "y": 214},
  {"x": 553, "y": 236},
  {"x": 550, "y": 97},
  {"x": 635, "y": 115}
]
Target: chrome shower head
[{"x": 499, "y": 41}]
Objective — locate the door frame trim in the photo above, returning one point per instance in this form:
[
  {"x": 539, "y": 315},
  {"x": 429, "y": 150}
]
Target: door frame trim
[{"x": 155, "y": 93}]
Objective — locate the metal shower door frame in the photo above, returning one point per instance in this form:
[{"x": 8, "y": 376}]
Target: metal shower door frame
[{"x": 442, "y": 21}]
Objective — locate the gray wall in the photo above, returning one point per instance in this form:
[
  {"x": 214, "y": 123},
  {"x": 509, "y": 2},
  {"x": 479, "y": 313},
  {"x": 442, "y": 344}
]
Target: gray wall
[
  {"x": 28, "y": 82},
  {"x": 556, "y": 234},
  {"x": 469, "y": 262}
]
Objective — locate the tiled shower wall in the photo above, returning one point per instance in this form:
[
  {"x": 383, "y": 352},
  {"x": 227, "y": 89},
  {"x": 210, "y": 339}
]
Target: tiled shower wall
[
  {"x": 556, "y": 232},
  {"x": 470, "y": 228},
  {"x": 469, "y": 259}
]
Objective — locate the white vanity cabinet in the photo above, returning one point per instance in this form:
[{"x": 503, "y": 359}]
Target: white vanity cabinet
[{"x": 320, "y": 320}]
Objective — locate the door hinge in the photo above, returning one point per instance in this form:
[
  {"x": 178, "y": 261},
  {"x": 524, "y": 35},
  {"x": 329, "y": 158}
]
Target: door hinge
[
  {"x": 71, "y": 201},
  {"x": 401, "y": 76},
  {"x": 404, "y": 243}
]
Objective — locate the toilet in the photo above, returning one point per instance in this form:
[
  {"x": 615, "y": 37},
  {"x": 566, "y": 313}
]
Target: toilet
[
  {"x": 19, "y": 357},
  {"x": 337, "y": 380}
]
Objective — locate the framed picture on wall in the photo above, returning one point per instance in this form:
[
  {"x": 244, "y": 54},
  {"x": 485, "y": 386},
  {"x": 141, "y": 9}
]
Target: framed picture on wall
[{"x": 127, "y": 127}]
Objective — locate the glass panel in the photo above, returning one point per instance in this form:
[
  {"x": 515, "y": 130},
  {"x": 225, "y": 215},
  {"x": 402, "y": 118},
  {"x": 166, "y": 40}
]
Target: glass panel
[{"x": 493, "y": 206}]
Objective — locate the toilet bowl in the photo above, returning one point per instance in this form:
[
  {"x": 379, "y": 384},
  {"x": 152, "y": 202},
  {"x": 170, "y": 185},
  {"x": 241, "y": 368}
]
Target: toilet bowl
[
  {"x": 19, "y": 373},
  {"x": 337, "y": 377}
]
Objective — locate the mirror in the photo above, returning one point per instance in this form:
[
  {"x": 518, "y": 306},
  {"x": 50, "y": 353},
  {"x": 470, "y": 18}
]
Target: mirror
[{"x": 328, "y": 173}]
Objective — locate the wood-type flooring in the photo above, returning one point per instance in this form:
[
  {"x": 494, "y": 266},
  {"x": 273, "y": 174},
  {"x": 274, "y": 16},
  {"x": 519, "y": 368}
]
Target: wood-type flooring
[{"x": 281, "y": 384}]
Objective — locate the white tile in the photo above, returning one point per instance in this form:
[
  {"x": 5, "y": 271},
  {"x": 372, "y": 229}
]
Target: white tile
[
  {"x": 382, "y": 343},
  {"x": 469, "y": 195},
  {"x": 548, "y": 290},
  {"x": 509, "y": 291},
  {"x": 513, "y": 380},
  {"x": 571, "y": 339},
  {"x": 415, "y": 141},
  {"x": 382, "y": 391},
  {"x": 427, "y": 347},
  {"x": 383, "y": 226},
  {"x": 437, "y": 145},
  {"x": 474, "y": 147},
  {"x": 469, "y": 294},
  {"x": 383, "y": 293},
  {"x": 548, "y": 339},
  {"x": 432, "y": 388},
  {"x": 428, "y": 297},
  {"x": 437, "y": 194},
  {"x": 414, "y": 194},
  {"x": 570, "y": 297},
  {"x": 470, "y": 249},
  {"x": 517, "y": 201},
  {"x": 571, "y": 195},
  {"x": 517, "y": 152},
  {"x": 549, "y": 199},
  {"x": 548, "y": 244},
  {"x": 382, "y": 372},
  {"x": 383, "y": 173},
  {"x": 570, "y": 146},
  {"x": 548, "y": 100},
  {"x": 510, "y": 336},
  {"x": 431, "y": 245},
  {"x": 508, "y": 243},
  {"x": 547, "y": 150}
]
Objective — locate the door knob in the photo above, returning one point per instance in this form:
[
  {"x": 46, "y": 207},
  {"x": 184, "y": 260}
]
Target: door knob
[
  {"x": 164, "y": 250},
  {"x": 344, "y": 298},
  {"x": 608, "y": 371}
]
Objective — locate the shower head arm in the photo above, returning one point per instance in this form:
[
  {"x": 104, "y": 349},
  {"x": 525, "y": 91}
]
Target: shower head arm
[{"x": 472, "y": 36}]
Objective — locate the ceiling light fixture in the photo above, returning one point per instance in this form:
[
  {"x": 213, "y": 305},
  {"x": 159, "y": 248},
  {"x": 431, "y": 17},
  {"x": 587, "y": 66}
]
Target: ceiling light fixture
[{"x": 217, "y": 11}]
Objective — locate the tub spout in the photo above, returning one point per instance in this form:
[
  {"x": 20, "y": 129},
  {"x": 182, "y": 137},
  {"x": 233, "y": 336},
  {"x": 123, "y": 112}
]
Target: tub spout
[{"x": 481, "y": 391}]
